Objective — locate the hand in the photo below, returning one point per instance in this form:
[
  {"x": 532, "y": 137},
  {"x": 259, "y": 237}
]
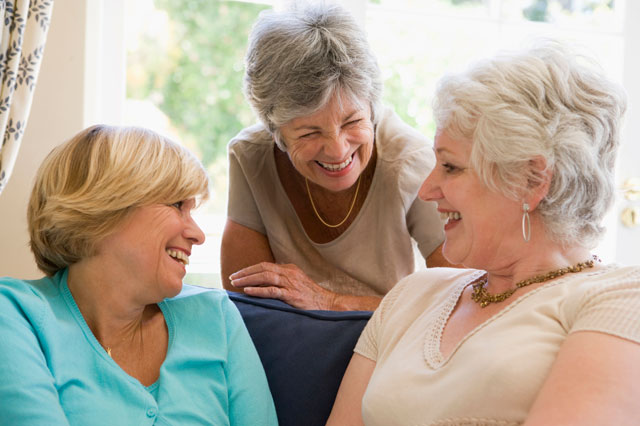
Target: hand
[{"x": 285, "y": 282}]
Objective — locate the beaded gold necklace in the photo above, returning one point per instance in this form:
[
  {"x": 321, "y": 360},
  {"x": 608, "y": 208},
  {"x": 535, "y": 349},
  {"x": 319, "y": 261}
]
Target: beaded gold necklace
[{"x": 481, "y": 296}]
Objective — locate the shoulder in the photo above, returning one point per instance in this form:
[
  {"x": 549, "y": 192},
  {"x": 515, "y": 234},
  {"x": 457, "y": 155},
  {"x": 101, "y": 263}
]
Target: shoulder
[
  {"x": 611, "y": 278},
  {"x": 606, "y": 300},
  {"x": 28, "y": 299},
  {"x": 610, "y": 281},
  {"x": 202, "y": 302},
  {"x": 405, "y": 155},
  {"x": 252, "y": 138},
  {"x": 424, "y": 288},
  {"x": 12, "y": 289},
  {"x": 396, "y": 140},
  {"x": 195, "y": 295}
]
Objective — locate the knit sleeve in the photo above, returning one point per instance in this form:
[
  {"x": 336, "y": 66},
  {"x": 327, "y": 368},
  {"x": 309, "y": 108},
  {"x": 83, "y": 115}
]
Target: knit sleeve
[
  {"x": 610, "y": 304},
  {"x": 242, "y": 207},
  {"x": 28, "y": 391},
  {"x": 369, "y": 340}
]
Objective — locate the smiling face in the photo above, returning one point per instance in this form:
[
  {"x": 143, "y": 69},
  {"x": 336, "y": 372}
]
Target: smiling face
[
  {"x": 152, "y": 247},
  {"x": 331, "y": 147},
  {"x": 483, "y": 226}
]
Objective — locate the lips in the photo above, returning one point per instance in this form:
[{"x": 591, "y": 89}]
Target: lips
[
  {"x": 450, "y": 215},
  {"x": 336, "y": 167},
  {"x": 179, "y": 256}
]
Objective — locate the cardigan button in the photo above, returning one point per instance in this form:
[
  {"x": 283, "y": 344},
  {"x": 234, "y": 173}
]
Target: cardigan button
[{"x": 151, "y": 412}]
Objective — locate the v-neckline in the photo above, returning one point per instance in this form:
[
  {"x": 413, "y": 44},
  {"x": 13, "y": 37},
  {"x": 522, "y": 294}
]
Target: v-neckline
[{"x": 433, "y": 334}]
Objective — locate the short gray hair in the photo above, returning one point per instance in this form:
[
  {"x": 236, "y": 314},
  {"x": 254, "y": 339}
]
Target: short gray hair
[
  {"x": 299, "y": 58},
  {"x": 546, "y": 101}
]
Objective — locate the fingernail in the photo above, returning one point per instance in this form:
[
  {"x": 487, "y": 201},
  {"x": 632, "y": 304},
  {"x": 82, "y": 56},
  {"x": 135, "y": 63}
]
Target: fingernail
[{"x": 231, "y": 282}]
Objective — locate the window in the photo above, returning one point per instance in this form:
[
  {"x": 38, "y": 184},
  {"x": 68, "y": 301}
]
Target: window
[
  {"x": 185, "y": 66},
  {"x": 184, "y": 78}
]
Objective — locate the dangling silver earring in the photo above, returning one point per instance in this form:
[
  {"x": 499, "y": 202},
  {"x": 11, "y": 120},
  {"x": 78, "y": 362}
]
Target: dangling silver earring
[{"x": 526, "y": 223}]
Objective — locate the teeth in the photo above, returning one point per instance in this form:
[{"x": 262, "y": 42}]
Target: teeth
[
  {"x": 450, "y": 215},
  {"x": 336, "y": 167},
  {"x": 179, "y": 255}
]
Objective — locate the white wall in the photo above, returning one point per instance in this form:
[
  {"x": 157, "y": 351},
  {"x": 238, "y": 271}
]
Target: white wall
[
  {"x": 57, "y": 113},
  {"x": 628, "y": 239}
]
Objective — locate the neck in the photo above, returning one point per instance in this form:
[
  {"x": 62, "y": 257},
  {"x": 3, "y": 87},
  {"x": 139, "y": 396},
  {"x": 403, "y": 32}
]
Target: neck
[
  {"x": 541, "y": 261},
  {"x": 106, "y": 303}
]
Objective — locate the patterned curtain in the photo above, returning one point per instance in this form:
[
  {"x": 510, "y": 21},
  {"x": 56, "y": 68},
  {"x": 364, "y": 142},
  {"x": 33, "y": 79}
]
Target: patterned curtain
[{"x": 24, "y": 32}]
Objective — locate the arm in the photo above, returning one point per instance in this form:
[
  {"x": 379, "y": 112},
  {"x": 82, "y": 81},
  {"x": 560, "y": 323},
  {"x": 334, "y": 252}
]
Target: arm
[
  {"x": 290, "y": 284},
  {"x": 347, "y": 410},
  {"x": 245, "y": 255},
  {"x": 241, "y": 247},
  {"x": 27, "y": 387},
  {"x": 250, "y": 401},
  {"x": 595, "y": 380}
]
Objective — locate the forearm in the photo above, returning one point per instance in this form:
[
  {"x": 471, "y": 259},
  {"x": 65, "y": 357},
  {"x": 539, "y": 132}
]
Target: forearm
[
  {"x": 241, "y": 247},
  {"x": 346, "y": 302}
]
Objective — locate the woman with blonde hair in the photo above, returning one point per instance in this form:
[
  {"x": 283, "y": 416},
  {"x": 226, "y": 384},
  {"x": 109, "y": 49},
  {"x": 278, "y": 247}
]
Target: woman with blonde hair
[
  {"x": 537, "y": 330},
  {"x": 111, "y": 335}
]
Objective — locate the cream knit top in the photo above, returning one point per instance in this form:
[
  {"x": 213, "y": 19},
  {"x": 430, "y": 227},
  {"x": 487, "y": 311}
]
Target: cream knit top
[{"x": 494, "y": 373}]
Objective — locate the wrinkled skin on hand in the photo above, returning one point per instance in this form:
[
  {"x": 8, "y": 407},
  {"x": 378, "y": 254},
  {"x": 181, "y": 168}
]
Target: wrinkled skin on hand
[{"x": 285, "y": 282}]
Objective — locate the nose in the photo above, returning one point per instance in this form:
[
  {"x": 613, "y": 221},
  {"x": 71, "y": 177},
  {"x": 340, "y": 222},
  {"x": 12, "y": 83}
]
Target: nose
[
  {"x": 430, "y": 189},
  {"x": 193, "y": 232},
  {"x": 336, "y": 146}
]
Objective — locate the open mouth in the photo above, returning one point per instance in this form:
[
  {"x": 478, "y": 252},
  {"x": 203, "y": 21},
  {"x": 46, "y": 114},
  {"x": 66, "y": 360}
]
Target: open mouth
[
  {"x": 333, "y": 167},
  {"x": 450, "y": 216},
  {"x": 179, "y": 256}
]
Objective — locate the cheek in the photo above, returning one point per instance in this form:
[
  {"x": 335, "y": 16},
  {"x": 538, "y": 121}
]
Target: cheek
[
  {"x": 364, "y": 135},
  {"x": 302, "y": 152}
]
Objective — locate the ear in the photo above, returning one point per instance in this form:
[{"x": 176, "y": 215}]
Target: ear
[{"x": 539, "y": 183}]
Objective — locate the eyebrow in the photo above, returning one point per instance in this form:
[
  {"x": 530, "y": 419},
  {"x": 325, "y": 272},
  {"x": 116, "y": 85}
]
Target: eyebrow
[
  {"x": 440, "y": 150},
  {"x": 309, "y": 127}
]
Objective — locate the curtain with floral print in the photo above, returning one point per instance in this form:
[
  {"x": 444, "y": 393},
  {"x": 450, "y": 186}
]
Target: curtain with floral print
[{"x": 24, "y": 32}]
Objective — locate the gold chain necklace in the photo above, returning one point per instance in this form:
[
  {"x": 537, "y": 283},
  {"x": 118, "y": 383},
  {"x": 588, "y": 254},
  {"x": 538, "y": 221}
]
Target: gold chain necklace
[
  {"x": 353, "y": 203},
  {"x": 481, "y": 295}
]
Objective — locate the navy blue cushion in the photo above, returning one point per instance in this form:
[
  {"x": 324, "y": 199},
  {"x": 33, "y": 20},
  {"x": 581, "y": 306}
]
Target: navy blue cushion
[{"x": 304, "y": 354}]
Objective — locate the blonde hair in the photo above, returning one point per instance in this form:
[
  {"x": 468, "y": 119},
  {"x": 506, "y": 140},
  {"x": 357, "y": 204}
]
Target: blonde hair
[
  {"x": 87, "y": 186},
  {"x": 540, "y": 102}
]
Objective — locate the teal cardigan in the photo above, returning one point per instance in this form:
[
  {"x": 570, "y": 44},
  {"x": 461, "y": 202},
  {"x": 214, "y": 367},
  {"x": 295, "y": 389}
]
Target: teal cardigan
[{"x": 53, "y": 371}]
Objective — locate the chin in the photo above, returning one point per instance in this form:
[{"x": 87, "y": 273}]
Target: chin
[
  {"x": 451, "y": 256},
  {"x": 173, "y": 289}
]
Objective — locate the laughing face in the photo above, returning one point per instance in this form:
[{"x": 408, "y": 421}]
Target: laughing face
[
  {"x": 332, "y": 146},
  {"x": 153, "y": 245},
  {"x": 482, "y": 226}
]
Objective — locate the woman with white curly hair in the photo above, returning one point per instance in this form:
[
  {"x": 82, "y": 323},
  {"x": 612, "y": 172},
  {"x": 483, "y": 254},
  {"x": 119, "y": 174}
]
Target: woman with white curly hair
[{"x": 537, "y": 330}]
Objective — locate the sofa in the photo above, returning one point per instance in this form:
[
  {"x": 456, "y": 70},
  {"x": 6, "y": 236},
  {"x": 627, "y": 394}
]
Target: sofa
[{"x": 304, "y": 354}]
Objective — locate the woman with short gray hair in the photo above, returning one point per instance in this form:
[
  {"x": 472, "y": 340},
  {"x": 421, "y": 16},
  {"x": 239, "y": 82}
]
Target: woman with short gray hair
[
  {"x": 537, "y": 329},
  {"x": 323, "y": 205}
]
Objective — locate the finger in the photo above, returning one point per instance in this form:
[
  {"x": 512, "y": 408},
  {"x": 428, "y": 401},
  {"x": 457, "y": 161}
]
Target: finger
[
  {"x": 260, "y": 279},
  {"x": 268, "y": 292},
  {"x": 254, "y": 269}
]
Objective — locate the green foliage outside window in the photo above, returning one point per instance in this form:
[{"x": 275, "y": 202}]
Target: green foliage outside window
[
  {"x": 196, "y": 79},
  {"x": 197, "y": 82}
]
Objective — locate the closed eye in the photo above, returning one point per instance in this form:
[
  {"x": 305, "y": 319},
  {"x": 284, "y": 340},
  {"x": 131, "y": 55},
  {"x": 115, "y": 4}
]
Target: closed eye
[
  {"x": 308, "y": 135},
  {"x": 352, "y": 122},
  {"x": 449, "y": 168}
]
